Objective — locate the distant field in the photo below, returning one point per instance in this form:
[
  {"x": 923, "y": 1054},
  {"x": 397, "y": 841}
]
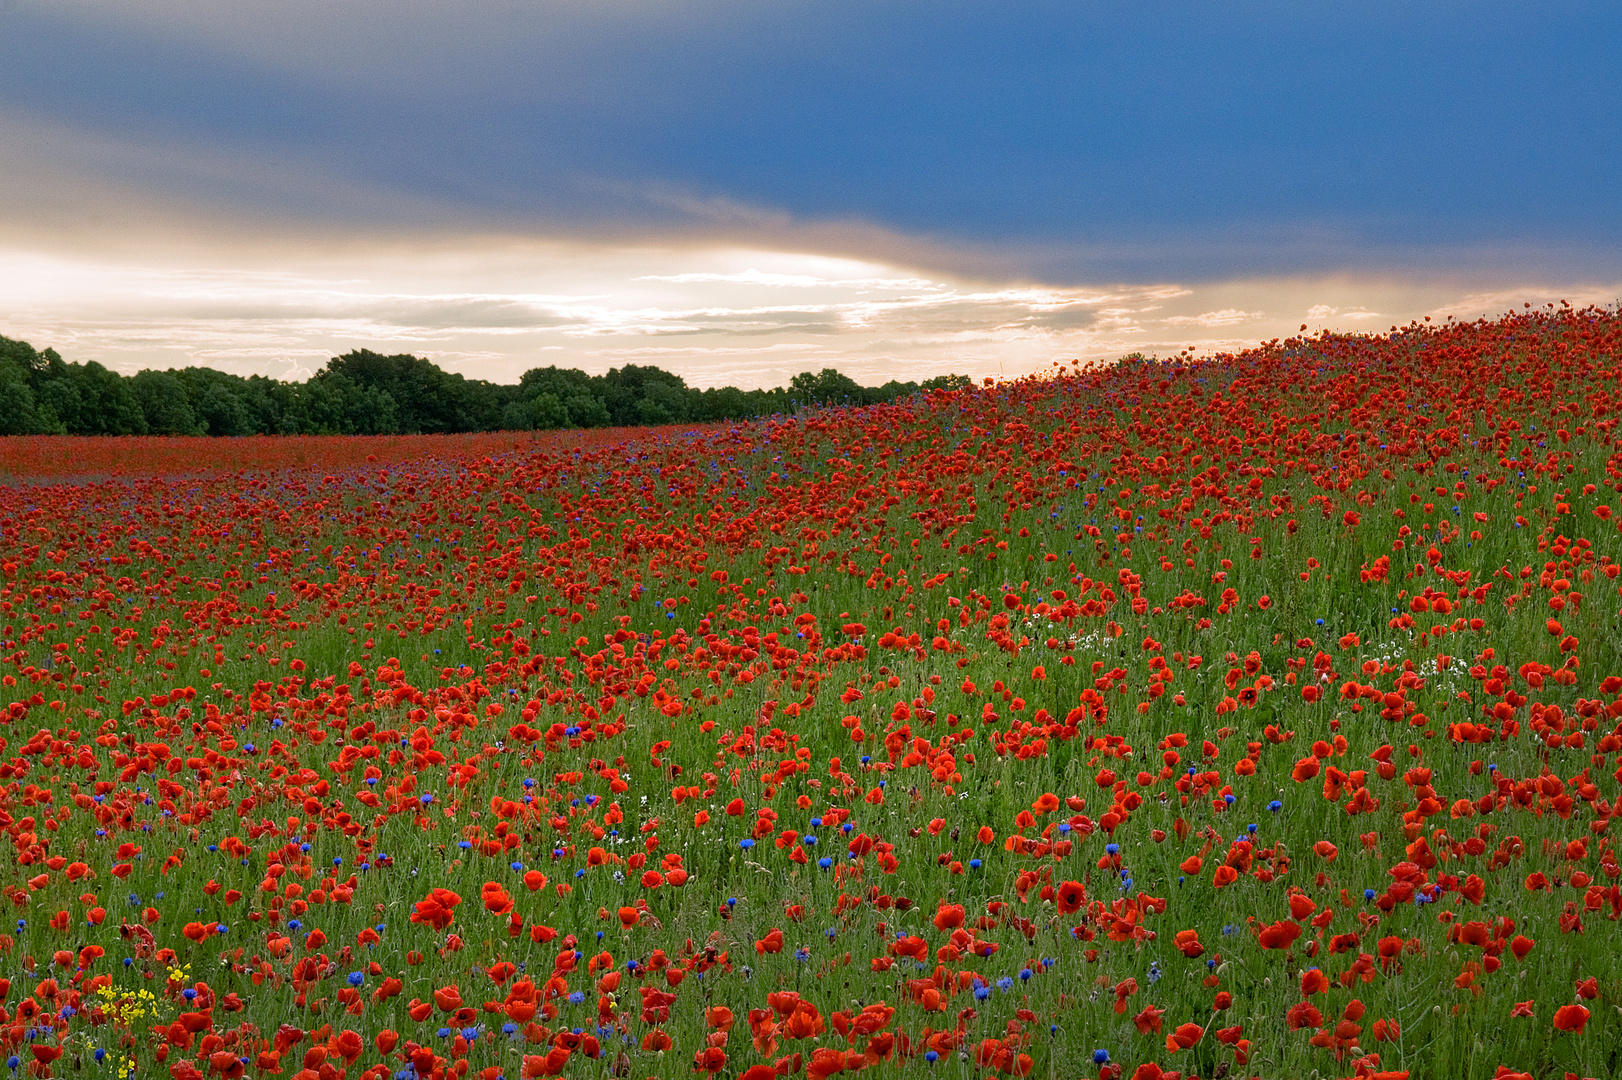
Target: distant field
[
  {"x": 1253, "y": 716},
  {"x": 40, "y": 458}
]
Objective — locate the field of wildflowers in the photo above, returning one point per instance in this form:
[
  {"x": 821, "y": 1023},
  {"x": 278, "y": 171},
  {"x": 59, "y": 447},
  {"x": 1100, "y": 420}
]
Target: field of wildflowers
[{"x": 1258, "y": 715}]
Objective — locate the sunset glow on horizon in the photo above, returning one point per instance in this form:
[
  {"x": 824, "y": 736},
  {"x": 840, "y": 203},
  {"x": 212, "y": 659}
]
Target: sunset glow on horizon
[{"x": 896, "y": 194}]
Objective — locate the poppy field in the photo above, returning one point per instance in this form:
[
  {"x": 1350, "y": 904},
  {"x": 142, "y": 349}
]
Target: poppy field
[{"x": 1251, "y": 715}]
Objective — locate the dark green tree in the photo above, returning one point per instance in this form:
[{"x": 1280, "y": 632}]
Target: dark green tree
[
  {"x": 826, "y": 387},
  {"x": 644, "y": 395},
  {"x": 426, "y": 399},
  {"x": 17, "y": 416},
  {"x": 587, "y": 411},
  {"x": 363, "y": 392},
  {"x": 165, "y": 404}
]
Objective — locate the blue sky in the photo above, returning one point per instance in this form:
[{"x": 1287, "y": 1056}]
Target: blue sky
[{"x": 882, "y": 187}]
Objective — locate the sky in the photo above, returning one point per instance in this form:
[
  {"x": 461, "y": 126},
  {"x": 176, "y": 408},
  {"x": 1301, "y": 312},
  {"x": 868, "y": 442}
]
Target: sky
[{"x": 739, "y": 191}]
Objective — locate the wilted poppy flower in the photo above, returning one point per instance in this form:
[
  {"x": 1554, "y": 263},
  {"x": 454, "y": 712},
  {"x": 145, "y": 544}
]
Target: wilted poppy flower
[{"x": 1148, "y": 1020}]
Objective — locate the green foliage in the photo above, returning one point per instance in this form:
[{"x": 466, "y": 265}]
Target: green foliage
[
  {"x": 367, "y": 393},
  {"x": 17, "y": 414},
  {"x": 165, "y": 404}
]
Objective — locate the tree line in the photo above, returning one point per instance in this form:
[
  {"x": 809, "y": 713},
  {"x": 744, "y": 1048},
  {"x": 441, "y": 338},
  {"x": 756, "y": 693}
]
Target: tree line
[{"x": 367, "y": 393}]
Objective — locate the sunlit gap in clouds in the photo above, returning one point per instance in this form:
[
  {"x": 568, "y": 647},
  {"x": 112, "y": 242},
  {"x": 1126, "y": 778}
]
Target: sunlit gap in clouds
[{"x": 716, "y": 315}]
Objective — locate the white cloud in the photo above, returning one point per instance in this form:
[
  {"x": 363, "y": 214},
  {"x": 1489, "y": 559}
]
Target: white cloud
[
  {"x": 1320, "y": 312},
  {"x": 492, "y": 306},
  {"x": 795, "y": 281},
  {"x": 1225, "y": 317}
]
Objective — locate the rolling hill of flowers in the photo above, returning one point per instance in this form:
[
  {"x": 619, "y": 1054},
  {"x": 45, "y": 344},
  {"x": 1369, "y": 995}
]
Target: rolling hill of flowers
[{"x": 1254, "y": 715}]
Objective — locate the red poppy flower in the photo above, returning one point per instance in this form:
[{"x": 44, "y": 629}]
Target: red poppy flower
[
  {"x": 1279, "y": 935},
  {"x": 1148, "y": 1020},
  {"x": 1303, "y": 1015},
  {"x": 1570, "y": 1018},
  {"x": 436, "y": 909}
]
